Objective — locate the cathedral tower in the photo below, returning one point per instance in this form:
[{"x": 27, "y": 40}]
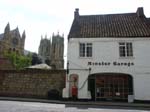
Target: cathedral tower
[
  {"x": 45, "y": 50},
  {"x": 57, "y": 51},
  {"x": 51, "y": 52},
  {"x": 10, "y": 41}
]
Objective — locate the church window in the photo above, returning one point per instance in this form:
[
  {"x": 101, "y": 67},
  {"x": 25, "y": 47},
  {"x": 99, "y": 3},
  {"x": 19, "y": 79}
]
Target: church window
[
  {"x": 14, "y": 49},
  {"x": 60, "y": 51},
  {"x": 15, "y": 41},
  {"x": 9, "y": 50},
  {"x": 125, "y": 49},
  {"x": 85, "y": 49},
  {"x": 0, "y": 50},
  {"x": 54, "y": 48},
  {"x": 47, "y": 49}
]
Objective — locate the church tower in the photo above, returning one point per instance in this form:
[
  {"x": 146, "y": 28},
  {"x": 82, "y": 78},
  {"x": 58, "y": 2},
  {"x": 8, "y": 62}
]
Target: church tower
[
  {"x": 23, "y": 40},
  {"x": 45, "y": 50},
  {"x": 52, "y": 53},
  {"x": 57, "y": 51},
  {"x": 7, "y": 31},
  {"x": 10, "y": 42}
]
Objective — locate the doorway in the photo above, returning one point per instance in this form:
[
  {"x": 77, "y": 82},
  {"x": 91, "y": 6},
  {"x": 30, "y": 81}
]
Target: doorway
[{"x": 110, "y": 86}]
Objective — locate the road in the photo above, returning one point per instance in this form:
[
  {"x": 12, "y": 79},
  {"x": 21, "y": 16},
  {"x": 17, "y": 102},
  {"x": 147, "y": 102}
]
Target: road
[{"x": 15, "y": 106}]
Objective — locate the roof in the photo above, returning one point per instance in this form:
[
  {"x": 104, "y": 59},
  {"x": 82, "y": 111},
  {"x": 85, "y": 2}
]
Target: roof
[
  {"x": 14, "y": 33},
  {"x": 110, "y": 25},
  {"x": 40, "y": 66},
  {"x": 148, "y": 22}
]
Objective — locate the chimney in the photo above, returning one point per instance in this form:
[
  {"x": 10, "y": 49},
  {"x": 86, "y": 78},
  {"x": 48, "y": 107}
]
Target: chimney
[
  {"x": 76, "y": 13},
  {"x": 140, "y": 12}
]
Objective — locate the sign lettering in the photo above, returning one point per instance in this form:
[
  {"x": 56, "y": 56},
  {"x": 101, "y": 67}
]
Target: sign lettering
[{"x": 115, "y": 63}]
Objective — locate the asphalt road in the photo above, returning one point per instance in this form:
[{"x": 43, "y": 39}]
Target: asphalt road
[{"x": 15, "y": 106}]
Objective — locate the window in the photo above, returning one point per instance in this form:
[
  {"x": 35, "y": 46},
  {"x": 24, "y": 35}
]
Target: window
[
  {"x": 82, "y": 49},
  {"x": 54, "y": 48},
  {"x": 14, "y": 49},
  {"x": 85, "y": 50},
  {"x": 125, "y": 49},
  {"x": 9, "y": 51}
]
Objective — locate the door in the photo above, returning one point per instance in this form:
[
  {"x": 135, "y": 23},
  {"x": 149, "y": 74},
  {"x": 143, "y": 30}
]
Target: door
[
  {"x": 91, "y": 87},
  {"x": 113, "y": 86}
]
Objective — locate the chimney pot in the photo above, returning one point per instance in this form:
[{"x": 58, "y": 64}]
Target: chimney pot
[
  {"x": 140, "y": 12},
  {"x": 76, "y": 13}
]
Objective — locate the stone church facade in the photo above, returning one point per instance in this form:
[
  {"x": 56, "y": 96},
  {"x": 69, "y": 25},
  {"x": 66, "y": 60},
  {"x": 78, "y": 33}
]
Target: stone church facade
[
  {"x": 10, "y": 41},
  {"x": 51, "y": 51}
]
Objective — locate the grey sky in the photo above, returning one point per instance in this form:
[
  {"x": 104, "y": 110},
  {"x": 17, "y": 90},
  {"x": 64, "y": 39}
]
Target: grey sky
[{"x": 41, "y": 17}]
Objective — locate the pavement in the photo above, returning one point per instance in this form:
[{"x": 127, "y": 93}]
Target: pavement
[{"x": 87, "y": 103}]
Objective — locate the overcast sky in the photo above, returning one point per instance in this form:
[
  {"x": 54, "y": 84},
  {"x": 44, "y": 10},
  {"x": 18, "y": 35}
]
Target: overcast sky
[{"x": 41, "y": 17}]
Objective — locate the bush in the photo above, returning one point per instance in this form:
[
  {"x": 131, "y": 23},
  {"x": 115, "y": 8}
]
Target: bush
[{"x": 18, "y": 61}]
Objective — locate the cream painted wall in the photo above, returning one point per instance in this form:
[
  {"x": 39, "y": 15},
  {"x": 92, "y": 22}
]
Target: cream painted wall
[{"x": 107, "y": 50}]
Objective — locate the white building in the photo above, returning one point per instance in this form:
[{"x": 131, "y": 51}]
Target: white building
[{"x": 109, "y": 56}]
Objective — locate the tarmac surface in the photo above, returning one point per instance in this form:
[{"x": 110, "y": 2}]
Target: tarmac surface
[
  {"x": 71, "y": 105},
  {"x": 17, "y": 106}
]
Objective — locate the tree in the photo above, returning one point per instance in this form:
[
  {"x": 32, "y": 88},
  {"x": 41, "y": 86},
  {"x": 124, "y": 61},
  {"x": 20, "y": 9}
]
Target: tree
[
  {"x": 36, "y": 59},
  {"x": 19, "y": 61},
  {"x": 47, "y": 61}
]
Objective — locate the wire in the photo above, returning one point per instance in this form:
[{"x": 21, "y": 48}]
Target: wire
[{"x": 83, "y": 84}]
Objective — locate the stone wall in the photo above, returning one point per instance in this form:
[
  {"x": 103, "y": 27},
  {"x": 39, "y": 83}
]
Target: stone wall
[
  {"x": 5, "y": 64},
  {"x": 31, "y": 83}
]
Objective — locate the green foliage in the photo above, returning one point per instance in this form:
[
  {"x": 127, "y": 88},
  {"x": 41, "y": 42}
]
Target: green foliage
[{"x": 19, "y": 61}]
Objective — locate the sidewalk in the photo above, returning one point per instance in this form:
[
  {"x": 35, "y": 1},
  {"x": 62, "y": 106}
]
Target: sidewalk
[{"x": 92, "y": 103}]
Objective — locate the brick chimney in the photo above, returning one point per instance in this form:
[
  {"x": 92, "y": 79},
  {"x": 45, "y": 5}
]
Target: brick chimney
[
  {"x": 76, "y": 13},
  {"x": 140, "y": 12}
]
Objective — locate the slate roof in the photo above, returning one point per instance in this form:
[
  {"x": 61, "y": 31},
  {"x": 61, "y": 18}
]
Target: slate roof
[
  {"x": 40, "y": 66},
  {"x": 148, "y": 22},
  {"x": 111, "y": 25}
]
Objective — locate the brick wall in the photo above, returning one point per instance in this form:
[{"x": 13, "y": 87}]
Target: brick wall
[{"x": 31, "y": 83}]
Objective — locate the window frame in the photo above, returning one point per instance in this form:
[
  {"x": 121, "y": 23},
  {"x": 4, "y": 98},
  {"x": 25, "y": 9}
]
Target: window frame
[
  {"x": 85, "y": 50},
  {"x": 125, "y": 49}
]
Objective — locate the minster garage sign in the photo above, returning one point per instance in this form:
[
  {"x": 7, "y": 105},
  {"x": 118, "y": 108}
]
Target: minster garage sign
[{"x": 115, "y": 63}]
